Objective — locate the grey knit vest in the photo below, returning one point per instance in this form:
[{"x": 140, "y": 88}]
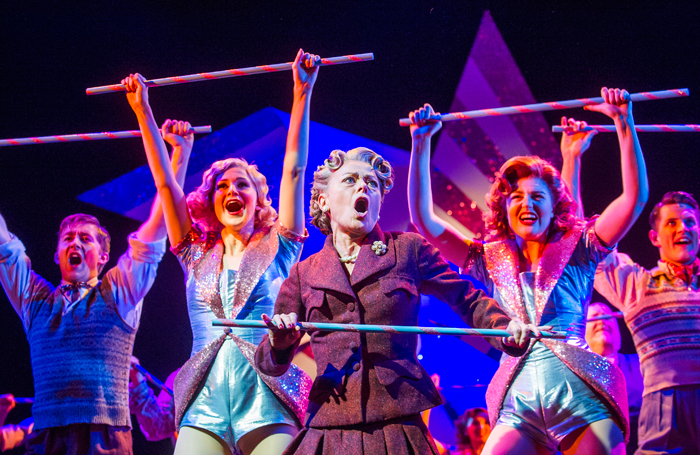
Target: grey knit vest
[{"x": 80, "y": 361}]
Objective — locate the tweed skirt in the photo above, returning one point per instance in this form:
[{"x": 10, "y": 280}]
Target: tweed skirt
[{"x": 403, "y": 436}]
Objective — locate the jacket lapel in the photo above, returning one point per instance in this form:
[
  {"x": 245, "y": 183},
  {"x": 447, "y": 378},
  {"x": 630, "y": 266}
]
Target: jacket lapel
[
  {"x": 555, "y": 256},
  {"x": 328, "y": 273},
  {"x": 370, "y": 263},
  {"x": 503, "y": 264}
]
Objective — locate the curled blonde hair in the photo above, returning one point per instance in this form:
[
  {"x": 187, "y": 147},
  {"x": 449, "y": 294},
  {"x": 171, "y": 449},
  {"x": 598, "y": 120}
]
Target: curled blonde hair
[
  {"x": 200, "y": 201},
  {"x": 335, "y": 161},
  {"x": 520, "y": 167}
]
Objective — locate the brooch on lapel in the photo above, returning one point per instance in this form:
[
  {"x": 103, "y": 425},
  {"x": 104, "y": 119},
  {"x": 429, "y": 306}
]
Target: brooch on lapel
[{"x": 379, "y": 248}]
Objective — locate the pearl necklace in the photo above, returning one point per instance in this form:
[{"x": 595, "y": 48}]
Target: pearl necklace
[{"x": 349, "y": 259}]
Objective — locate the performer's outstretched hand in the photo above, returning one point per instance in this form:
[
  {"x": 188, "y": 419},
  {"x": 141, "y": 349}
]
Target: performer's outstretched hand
[
  {"x": 617, "y": 105},
  {"x": 136, "y": 92},
  {"x": 576, "y": 138},
  {"x": 178, "y": 133},
  {"x": 305, "y": 71},
  {"x": 423, "y": 126},
  {"x": 520, "y": 333},
  {"x": 286, "y": 331}
]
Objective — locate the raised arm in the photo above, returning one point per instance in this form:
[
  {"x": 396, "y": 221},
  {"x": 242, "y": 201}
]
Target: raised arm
[
  {"x": 135, "y": 272},
  {"x": 575, "y": 140},
  {"x": 181, "y": 138},
  {"x": 16, "y": 277},
  {"x": 291, "y": 207},
  {"x": 453, "y": 245},
  {"x": 172, "y": 198},
  {"x": 621, "y": 214}
]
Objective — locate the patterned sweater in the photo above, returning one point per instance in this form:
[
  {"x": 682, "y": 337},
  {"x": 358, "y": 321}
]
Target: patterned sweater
[
  {"x": 81, "y": 351},
  {"x": 80, "y": 361},
  {"x": 662, "y": 312}
]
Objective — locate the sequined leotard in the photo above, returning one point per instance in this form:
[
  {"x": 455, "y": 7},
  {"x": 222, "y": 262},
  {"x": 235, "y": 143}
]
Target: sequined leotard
[
  {"x": 232, "y": 399},
  {"x": 558, "y": 386}
]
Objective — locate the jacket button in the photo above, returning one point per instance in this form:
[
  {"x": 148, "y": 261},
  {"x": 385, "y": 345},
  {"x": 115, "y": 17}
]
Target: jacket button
[
  {"x": 353, "y": 346},
  {"x": 356, "y": 367},
  {"x": 351, "y": 306}
]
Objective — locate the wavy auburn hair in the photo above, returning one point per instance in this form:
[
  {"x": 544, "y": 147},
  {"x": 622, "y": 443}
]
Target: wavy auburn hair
[
  {"x": 335, "y": 161},
  {"x": 201, "y": 201},
  {"x": 520, "y": 167}
]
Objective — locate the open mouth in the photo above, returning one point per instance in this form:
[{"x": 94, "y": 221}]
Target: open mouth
[
  {"x": 684, "y": 241},
  {"x": 234, "y": 206},
  {"x": 528, "y": 217},
  {"x": 361, "y": 205},
  {"x": 74, "y": 259}
]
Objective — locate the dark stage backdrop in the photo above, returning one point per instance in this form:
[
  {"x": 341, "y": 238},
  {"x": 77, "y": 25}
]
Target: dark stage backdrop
[{"x": 50, "y": 52}]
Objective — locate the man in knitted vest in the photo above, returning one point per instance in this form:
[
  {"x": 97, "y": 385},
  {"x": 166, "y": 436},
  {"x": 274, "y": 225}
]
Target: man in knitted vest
[
  {"x": 81, "y": 334},
  {"x": 661, "y": 308}
]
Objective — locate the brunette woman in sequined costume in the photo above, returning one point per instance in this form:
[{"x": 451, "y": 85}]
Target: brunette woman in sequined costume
[{"x": 540, "y": 266}]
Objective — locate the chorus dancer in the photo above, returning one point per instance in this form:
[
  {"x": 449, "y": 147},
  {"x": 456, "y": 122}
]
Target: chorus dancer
[
  {"x": 603, "y": 337},
  {"x": 540, "y": 265},
  {"x": 235, "y": 251},
  {"x": 661, "y": 307},
  {"x": 370, "y": 388},
  {"x": 81, "y": 334},
  {"x": 155, "y": 415},
  {"x": 472, "y": 430}
]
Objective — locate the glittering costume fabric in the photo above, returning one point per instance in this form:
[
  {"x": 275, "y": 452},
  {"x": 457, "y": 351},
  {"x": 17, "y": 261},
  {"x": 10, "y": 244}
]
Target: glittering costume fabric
[
  {"x": 219, "y": 388},
  {"x": 561, "y": 291}
]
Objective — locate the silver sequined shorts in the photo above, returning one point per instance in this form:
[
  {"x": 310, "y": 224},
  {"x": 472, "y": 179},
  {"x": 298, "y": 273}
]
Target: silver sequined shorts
[
  {"x": 547, "y": 400},
  {"x": 234, "y": 399}
]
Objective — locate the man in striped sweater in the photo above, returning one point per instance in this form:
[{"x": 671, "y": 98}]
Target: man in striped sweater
[{"x": 662, "y": 310}]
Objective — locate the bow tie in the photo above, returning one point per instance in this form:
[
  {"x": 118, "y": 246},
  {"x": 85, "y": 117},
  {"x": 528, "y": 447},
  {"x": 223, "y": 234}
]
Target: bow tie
[
  {"x": 72, "y": 290},
  {"x": 685, "y": 272}
]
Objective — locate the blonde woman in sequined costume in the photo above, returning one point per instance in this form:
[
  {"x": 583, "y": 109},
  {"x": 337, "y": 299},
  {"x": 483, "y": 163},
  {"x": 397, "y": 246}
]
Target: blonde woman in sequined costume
[
  {"x": 235, "y": 251},
  {"x": 540, "y": 266}
]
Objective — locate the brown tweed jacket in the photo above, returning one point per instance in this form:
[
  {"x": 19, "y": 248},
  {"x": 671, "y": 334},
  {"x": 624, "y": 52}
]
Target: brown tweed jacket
[{"x": 366, "y": 378}]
